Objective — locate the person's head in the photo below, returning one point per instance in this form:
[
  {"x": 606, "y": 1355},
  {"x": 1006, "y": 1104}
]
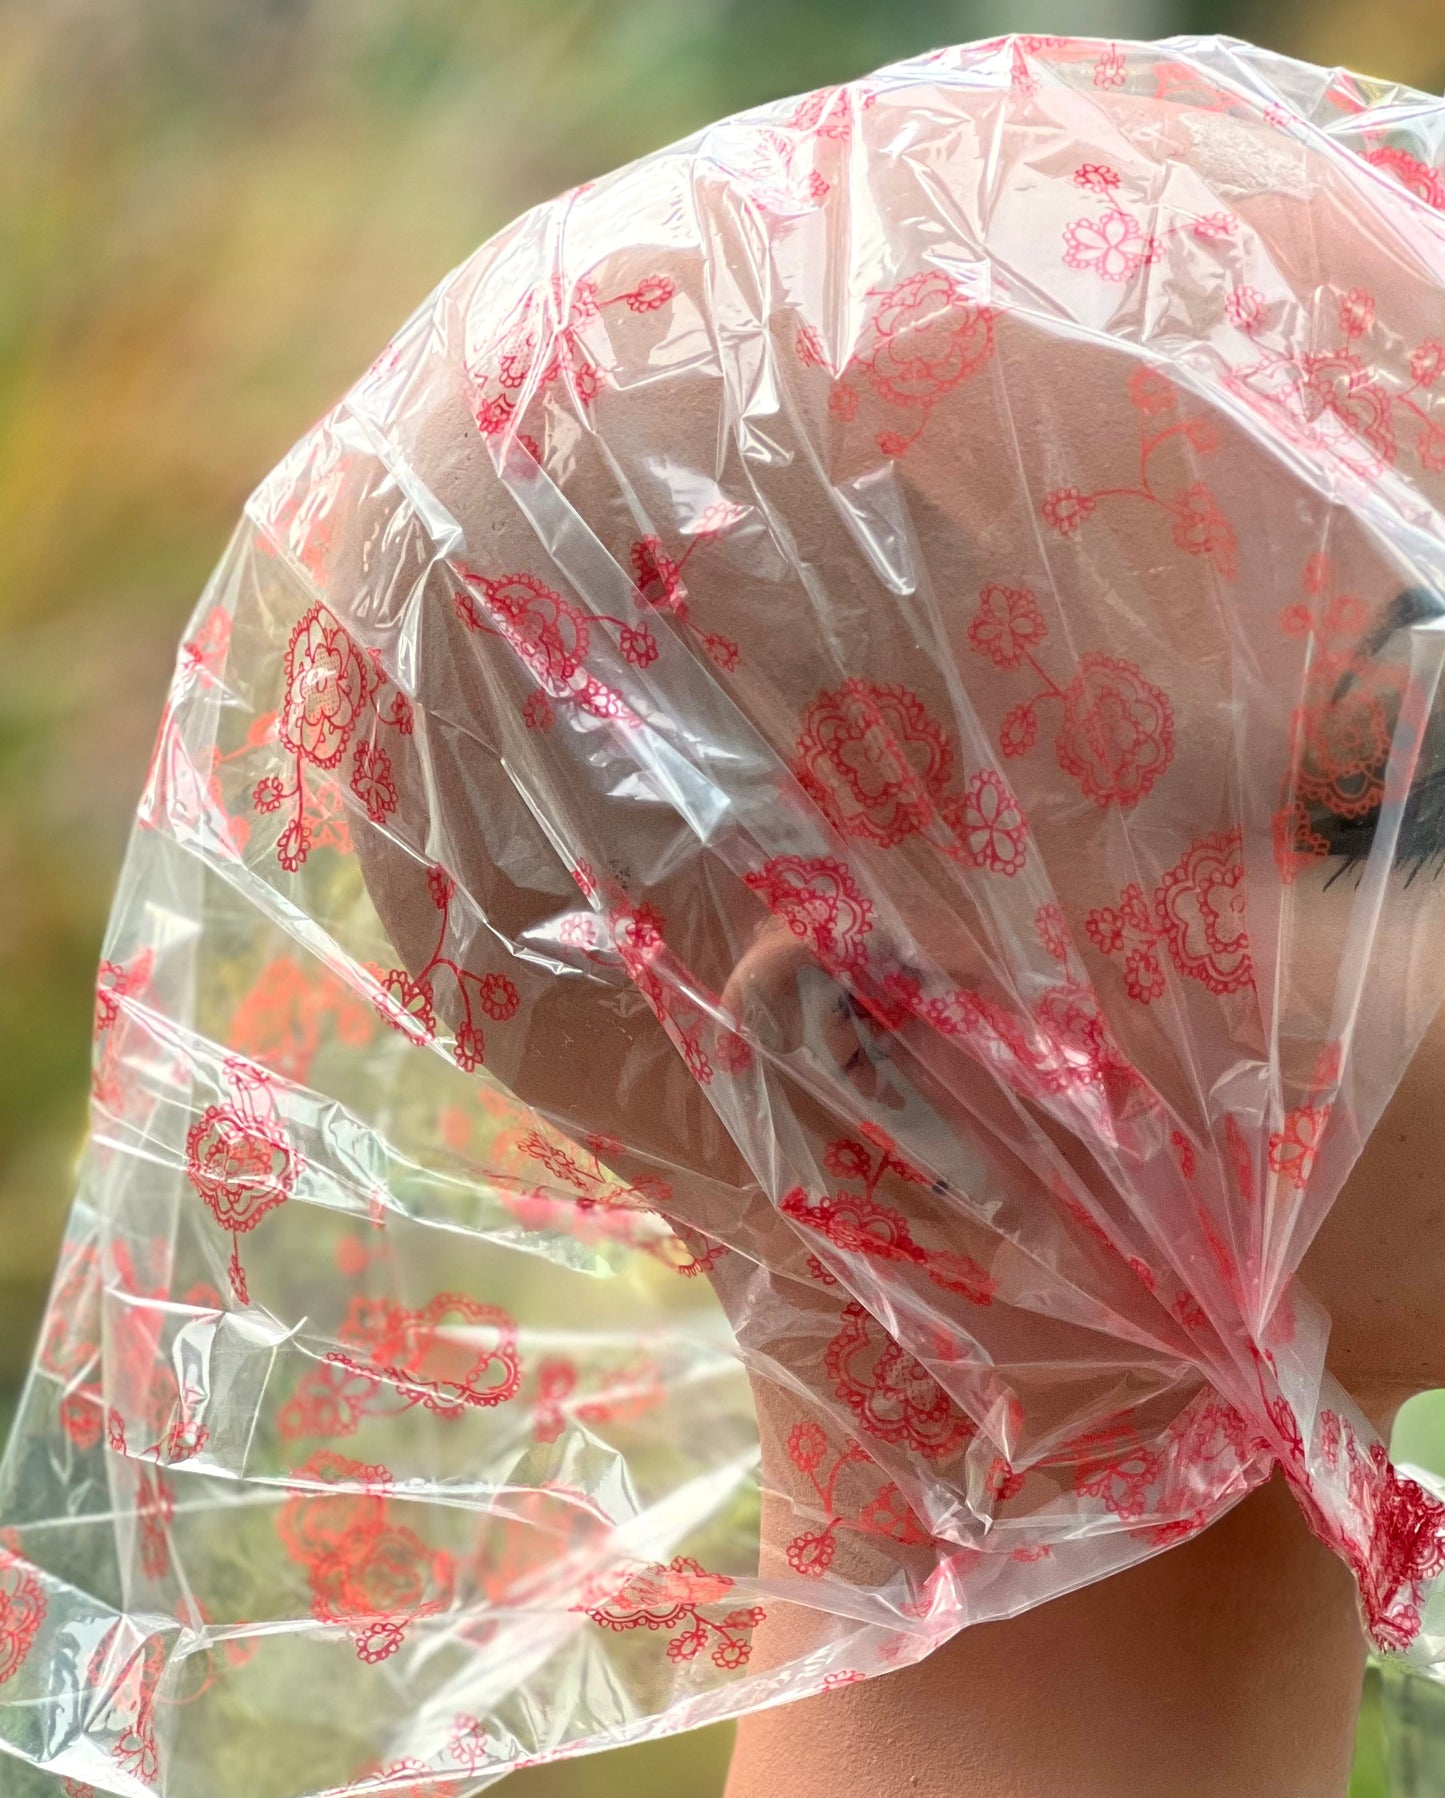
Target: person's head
[
  {"x": 863, "y": 694},
  {"x": 930, "y": 639}
]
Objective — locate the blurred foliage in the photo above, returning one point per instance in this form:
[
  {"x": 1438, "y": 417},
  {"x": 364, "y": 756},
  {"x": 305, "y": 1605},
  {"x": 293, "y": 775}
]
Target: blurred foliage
[{"x": 212, "y": 212}]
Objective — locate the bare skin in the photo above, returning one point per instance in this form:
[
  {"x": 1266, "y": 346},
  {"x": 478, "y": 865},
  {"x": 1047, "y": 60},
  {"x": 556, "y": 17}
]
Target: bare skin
[{"x": 1227, "y": 1667}]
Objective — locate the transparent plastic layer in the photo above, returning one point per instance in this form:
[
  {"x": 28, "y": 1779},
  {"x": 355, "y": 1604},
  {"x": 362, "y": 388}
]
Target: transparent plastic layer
[{"x": 787, "y": 864}]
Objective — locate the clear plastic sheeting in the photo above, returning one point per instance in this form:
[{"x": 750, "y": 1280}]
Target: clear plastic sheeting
[{"x": 787, "y": 863}]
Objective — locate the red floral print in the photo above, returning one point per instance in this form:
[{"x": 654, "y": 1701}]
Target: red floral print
[
  {"x": 659, "y": 579},
  {"x": 328, "y": 682},
  {"x": 365, "y": 1570},
  {"x": 1130, "y": 929},
  {"x": 990, "y": 826},
  {"x": 1345, "y": 726},
  {"x": 929, "y": 337},
  {"x": 289, "y": 1013},
  {"x": 116, "y": 983},
  {"x": 1007, "y": 625},
  {"x": 1327, "y": 398},
  {"x": 1122, "y": 1476},
  {"x": 240, "y": 1160},
  {"x": 1393, "y": 1536},
  {"x": 925, "y": 337},
  {"x": 637, "y": 934},
  {"x": 858, "y": 1224},
  {"x": 1423, "y": 181},
  {"x": 884, "y": 1513},
  {"x": 1114, "y": 246},
  {"x": 893, "y": 1396},
  {"x": 22, "y": 1611},
  {"x": 1246, "y": 308},
  {"x": 552, "y": 638},
  {"x": 873, "y": 760},
  {"x": 1201, "y": 529},
  {"x": 1334, "y": 401},
  {"x": 1200, "y": 906},
  {"x": 453, "y": 1354},
  {"x": 1110, "y": 70},
  {"x": 543, "y": 345},
  {"x": 1117, "y": 735},
  {"x": 331, "y": 685},
  {"x": 1196, "y": 913},
  {"x": 1197, "y": 524},
  {"x": 662, "y": 1598},
  {"x": 1066, "y": 508},
  {"x": 1292, "y": 1150},
  {"x": 821, "y": 903},
  {"x": 408, "y": 1001}
]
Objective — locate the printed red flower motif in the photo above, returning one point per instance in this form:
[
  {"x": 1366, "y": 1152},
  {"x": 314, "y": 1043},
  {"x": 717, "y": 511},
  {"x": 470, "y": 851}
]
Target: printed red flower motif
[
  {"x": 328, "y": 681},
  {"x": 1051, "y": 929},
  {"x": 548, "y": 632},
  {"x": 857, "y": 1224},
  {"x": 821, "y": 903},
  {"x": 1110, "y": 70},
  {"x": 873, "y": 760},
  {"x": 1201, "y": 529},
  {"x": 452, "y": 1354},
  {"x": 372, "y": 782},
  {"x": 409, "y": 1005},
  {"x": 1098, "y": 177},
  {"x": 990, "y": 826},
  {"x": 1427, "y": 362},
  {"x": 1200, "y": 910},
  {"x": 1245, "y": 308},
  {"x": 1296, "y": 841},
  {"x": 1292, "y": 1150},
  {"x": 498, "y": 997},
  {"x": 651, "y": 293},
  {"x": 1326, "y": 398},
  {"x": 1117, "y": 735},
  {"x": 1113, "y": 247},
  {"x": 1007, "y": 624},
  {"x": 1430, "y": 447},
  {"x": 241, "y": 1164},
  {"x": 364, "y": 1570},
  {"x": 847, "y": 1159},
  {"x": 1423, "y": 181},
  {"x": 811, "y": 1554},
  {"x": 1109, "y": 928},
  {"x": 807, "y": 1446},
  {"x": 928, "y": 335},
  {"x": 661, "y": 1598},
  {"x": 893, "y": 1396},
  {"x": 1020, "y": 730},
  {"x": 809, "y": 347},
  {"x": 1357, "y": 312},
  {"x": 22, "y": 1611},
  {"x": 1120, "y": 1479},
  {"x": 1342, "y": 744},
  {"x": 1066, "y": 508},
  {"x": 384, "y": 1576}
]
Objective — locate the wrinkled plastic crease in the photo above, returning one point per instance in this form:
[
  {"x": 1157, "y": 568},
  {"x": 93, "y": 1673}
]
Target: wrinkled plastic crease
[{"x": 732, "y": 1003}]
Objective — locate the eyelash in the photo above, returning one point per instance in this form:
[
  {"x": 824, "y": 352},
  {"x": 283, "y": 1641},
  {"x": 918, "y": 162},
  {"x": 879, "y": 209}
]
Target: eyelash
[{"x": 1420, "y": 843}]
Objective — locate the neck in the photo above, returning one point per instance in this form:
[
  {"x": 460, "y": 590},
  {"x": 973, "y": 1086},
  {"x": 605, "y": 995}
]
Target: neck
[{"x": 1230, "y": 1664}]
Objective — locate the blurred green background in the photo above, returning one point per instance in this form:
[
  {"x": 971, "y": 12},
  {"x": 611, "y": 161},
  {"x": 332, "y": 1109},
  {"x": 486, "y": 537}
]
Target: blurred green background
[{"x": 212, "y": 213}]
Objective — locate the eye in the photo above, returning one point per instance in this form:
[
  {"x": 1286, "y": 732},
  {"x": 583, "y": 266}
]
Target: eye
[{"x": 1345, "y": 730}]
